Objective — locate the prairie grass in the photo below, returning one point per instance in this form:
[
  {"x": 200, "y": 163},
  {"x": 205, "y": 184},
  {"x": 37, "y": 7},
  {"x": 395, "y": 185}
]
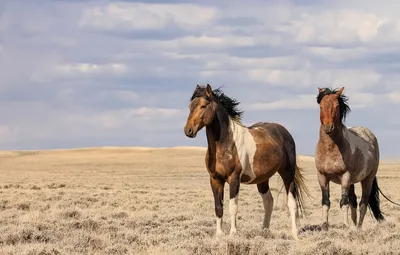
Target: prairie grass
[{"x": 158, "y": 201}]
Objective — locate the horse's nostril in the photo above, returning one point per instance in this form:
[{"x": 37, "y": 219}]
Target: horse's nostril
[{"x": 190, "y": 131}]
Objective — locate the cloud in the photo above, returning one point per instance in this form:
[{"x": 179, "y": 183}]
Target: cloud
[
  {"x": 87, "y": 73},
  {"x": 294, "y": 103},
  {"x": 151, "y": 113},
  {"x": 142, "y": 16},
  {"x": 395, "y": 97},
  {"x": 87, "y": 68}
]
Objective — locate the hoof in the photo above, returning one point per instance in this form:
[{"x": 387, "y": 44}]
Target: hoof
[
  {"x": 219, "y": 234},
  {"x": 325, "y": 226},
  {"x": 294, "y": 234},
  {"x": 233, "y": 232},
  {"x": 265, "y": 229}
]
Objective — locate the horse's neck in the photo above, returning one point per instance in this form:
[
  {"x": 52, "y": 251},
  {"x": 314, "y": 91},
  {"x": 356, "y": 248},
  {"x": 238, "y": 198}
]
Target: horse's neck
[
  {"x": 335, "y": 141},
  {"x": 219, "y": 133}
]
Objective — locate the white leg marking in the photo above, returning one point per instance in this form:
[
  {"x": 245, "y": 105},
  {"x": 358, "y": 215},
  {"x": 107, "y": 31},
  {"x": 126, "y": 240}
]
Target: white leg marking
[
  {"x": 219, "y": 227},
  {"x": 345, "y": 212},
  {"x": 268, "y": 202},
  {"x": 233, "y": 209},
  {"x": 325, "y": 212},
  {"x": 292, "y": 209}
]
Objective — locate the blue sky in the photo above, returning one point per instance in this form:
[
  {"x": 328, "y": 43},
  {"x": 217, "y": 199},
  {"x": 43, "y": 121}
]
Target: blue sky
[{"x": 120, "y": 73}]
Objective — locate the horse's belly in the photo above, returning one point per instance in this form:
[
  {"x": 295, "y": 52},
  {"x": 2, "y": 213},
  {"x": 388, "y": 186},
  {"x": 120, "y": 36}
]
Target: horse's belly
[{"x": 360, "y": 175}]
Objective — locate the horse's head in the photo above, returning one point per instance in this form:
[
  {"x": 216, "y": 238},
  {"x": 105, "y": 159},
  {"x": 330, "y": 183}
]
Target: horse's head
[
  {"x": 202, "y": 110},
  {"x": 332, "y": 108}
]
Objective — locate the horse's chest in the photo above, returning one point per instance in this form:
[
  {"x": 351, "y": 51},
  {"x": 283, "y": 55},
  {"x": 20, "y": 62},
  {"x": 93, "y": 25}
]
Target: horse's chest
[{"x": 330, "y": 164}]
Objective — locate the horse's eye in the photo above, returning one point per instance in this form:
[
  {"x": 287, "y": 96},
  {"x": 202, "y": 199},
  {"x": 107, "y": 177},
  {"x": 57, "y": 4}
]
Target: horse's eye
[{"x": 203, "y": 106}]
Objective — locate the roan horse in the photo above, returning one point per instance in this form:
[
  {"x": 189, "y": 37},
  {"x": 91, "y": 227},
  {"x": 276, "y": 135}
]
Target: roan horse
[
  {"x": 346, "y": 156},
  {"x": 237, "y": 154}
]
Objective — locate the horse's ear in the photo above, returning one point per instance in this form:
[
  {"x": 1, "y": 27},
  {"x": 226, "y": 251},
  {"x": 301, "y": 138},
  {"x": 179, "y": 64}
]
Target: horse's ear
[
  {"x": 209, "y": 91},
  {"x": 320, "y": 90},
  {"x": 197, "y": 86},
  {"x": 340, "y": 91}
]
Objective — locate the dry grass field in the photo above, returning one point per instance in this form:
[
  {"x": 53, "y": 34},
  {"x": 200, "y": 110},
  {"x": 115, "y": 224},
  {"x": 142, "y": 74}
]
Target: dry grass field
[{"x": 158, "y": 201}]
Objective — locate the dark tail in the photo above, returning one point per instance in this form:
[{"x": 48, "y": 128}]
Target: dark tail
[
  {"x": 387, "y": 197},
  {"x": 373, "y": 201},
  {"x": 300, "y": 188}
]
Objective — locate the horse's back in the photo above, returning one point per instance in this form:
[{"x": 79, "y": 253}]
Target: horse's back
[
  {"x": 368, "y": 137},
  {"x": 271, "y": 129},
  {"x": 365, "y": 134}
]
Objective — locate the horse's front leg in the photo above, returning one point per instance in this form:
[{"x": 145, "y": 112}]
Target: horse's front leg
[
  {"x": 234, "y": 185},
  {"x": 217, "y": 187},
  {"x": 326, "y": 203},
  {"x": 344, "y": 202}
]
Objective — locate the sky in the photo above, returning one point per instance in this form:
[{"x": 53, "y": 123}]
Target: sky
[{"x": 121, "y": 73}]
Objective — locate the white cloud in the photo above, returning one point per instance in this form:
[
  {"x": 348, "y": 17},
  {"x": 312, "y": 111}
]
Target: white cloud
[
  {"x": 88, "y": 68},
  {"x": 140, "y": 16},
  {"x": 394, "y": 97},
  {"x": 337, "y": 27},
  {"x": 278, "y": 77},
  {"x": 295, "y": 103},
  {"x": 339, "y": 55},
  {"x": 365, "y": 100},
  {"x": 312, "y": 77},
  {"x": 147, "y": 113}
]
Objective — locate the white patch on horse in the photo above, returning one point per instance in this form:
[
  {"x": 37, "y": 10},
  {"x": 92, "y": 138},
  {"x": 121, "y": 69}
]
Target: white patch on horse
[
  {"x": 219, "y": 231},
  {"x": 246, "y": 148}
]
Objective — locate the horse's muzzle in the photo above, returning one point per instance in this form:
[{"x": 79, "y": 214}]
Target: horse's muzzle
[
  {"x": 329, "y": 129},
  {"x": 189, "y": 132}
]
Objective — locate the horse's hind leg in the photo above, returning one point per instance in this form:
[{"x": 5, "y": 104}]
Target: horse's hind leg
[
  {"x": 353, "y": 204},
  {"x": 366, "y": 186},
  {"x": 370, "y": 196},
  {"x": 268, "y": 202}
]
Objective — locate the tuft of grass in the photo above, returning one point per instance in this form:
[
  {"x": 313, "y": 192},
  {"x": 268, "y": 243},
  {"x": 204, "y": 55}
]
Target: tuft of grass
[{"x": 25, "y": 206}]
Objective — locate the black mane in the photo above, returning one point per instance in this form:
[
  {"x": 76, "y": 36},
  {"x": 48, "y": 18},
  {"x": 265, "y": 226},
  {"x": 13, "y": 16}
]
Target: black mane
[
  {"x": 230, "y": 104},
  {"x": 344, "y": 108}
]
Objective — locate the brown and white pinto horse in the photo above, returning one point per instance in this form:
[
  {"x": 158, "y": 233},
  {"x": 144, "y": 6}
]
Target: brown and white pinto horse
[
  {"x": 237, "y": 154},
  {"x": 346, "y": 156}
]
